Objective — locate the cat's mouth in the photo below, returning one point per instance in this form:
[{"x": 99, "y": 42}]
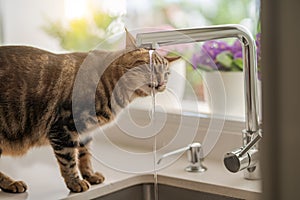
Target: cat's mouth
[
  {"x": 160, "y": 87},
  {"x": 146, "y": 90}
]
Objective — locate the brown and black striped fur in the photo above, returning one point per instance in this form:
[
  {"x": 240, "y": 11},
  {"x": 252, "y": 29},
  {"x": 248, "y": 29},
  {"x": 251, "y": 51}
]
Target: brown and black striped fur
[{"x": 36, "y": 105}]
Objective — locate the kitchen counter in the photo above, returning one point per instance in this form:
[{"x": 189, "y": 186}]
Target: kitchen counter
[
  {"x": 44, "y": 181},
  {"x": 40, "y": 170}
]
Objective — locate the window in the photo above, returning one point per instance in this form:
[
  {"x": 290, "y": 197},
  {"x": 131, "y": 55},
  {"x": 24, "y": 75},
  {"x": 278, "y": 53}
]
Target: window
[{"x": 79, "y": 25}]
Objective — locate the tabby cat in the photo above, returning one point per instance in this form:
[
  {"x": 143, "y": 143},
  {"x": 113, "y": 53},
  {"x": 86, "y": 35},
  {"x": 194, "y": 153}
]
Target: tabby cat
[{"x": 36, "y": 104}]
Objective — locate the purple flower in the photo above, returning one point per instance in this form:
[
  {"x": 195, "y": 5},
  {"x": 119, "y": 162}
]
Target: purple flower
[
  {"x": 204, "y": 60},
  {"x": 257, "y": 41},
  {"x": 258, "y": 53},
  {"x": 238, "y": 54},
  {"x": 236, "y": 47},
  {"x": 218, "y": 55},
  {"x": 214, "y": 47}
]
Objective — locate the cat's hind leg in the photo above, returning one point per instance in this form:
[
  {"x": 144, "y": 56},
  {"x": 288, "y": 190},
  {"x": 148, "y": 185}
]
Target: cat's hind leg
[
  {"x": 85, "y": 165},
  {"x": 9, "y": 185}
]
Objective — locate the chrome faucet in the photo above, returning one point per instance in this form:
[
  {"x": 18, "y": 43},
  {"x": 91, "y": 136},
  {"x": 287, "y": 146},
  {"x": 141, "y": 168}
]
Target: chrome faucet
[{"x": 246, "y": 156}]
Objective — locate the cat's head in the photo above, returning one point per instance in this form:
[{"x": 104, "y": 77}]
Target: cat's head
[
  {"x": 140, "y": 74},
  {"x": 153, "y": 76}
]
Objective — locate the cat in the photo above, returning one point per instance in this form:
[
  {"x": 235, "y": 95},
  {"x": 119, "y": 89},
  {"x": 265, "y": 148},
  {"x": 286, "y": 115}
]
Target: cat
[{"x": 36, "y": 88}]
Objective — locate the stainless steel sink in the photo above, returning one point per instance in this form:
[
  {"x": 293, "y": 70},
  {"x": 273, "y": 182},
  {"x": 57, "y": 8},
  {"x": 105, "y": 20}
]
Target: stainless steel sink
[{"x": 165, "y": 192}]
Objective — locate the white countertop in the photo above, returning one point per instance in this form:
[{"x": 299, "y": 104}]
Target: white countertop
[
  {"x": 44, "y": 181},
  {"x": 40, "y": 170}
]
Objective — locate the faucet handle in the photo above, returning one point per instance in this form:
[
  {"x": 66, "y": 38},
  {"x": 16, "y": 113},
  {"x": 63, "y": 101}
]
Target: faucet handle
[
  {"x": 236, "y": 161},
  {"x": 245, "y": 157},
  {"x": 194, "y": 154}
]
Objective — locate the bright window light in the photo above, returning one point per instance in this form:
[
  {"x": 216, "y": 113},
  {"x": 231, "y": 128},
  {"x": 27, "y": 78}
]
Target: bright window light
[
  {"x": 75, "y": 9},
  {"x": 115, "y": 7}
]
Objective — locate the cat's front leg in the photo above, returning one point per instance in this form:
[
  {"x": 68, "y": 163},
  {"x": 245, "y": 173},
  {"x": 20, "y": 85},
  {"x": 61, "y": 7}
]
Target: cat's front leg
[
  {"x": 85, "y": 165},
  {"x": 66, "y": 154},
  {"x": 9, "y": 185}
]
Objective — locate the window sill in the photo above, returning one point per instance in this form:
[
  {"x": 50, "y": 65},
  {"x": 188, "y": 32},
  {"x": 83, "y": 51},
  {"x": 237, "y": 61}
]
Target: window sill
[{"x": 187, "y": 108}]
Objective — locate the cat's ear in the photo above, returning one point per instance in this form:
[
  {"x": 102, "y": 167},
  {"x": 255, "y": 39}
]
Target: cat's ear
[
  {"x": 130, "y": 41},
  {"x": 172, "y": 58}
]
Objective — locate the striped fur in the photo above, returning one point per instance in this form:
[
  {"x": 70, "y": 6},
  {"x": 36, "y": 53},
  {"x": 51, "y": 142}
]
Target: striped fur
[{"x": 36, "y": 105}]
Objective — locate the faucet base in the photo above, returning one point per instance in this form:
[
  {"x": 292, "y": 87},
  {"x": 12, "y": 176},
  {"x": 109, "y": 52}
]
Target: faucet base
[
  {"x": 252, "y": 173},
  {"x": 199, "y": 169}
]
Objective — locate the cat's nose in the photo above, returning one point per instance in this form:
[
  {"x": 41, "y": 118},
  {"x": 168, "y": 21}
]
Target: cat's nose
[{"x": 152, "y": 85}]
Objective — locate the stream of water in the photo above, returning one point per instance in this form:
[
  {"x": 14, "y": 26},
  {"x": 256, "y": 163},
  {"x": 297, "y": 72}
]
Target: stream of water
[{"x": 152, "y": 77}]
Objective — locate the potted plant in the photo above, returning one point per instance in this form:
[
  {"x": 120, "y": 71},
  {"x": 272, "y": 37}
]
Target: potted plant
[{"x": 219, "y": 60}]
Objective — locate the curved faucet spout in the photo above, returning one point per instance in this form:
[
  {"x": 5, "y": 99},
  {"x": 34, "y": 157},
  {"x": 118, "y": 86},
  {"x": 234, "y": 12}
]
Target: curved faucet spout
[{"x": 155, "y": 40}]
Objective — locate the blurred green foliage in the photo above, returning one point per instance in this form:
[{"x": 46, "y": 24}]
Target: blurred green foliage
[
  {"x": 81, "y": 34},
  {"x": 228, "y": 11},
  {"x": 219, "y": 11}
]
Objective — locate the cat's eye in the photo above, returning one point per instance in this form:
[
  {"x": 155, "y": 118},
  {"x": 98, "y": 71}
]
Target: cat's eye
[{"x": 167, "y": 74}]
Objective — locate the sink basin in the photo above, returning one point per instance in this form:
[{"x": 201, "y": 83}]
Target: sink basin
[{"x": 165, "y": 192}]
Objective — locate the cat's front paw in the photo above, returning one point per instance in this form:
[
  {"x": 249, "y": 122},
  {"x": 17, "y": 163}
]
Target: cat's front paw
[
  {"x": 15, "y": 187},
  {"x": 78, "y": 186},
  {"x": 95, "y": 178}
]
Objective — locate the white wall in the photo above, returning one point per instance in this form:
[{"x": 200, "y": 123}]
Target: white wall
[{"x": 22, "y": 21}]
